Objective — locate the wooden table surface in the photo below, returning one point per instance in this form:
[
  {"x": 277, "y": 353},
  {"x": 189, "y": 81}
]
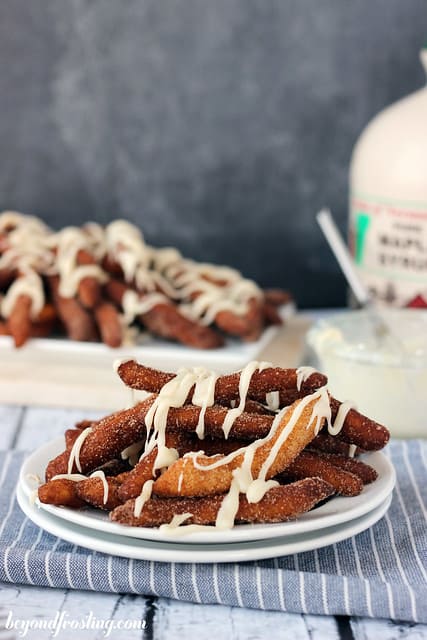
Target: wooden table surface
[{"x": 26, "y": 428}]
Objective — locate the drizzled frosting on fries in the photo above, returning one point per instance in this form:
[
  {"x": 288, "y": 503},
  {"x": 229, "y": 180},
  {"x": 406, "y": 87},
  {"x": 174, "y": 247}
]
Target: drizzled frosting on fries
[
  {"x": 114, "y": 264},
  {"x": 33, "y": 249},
  {"x": 199, "y": 384}
]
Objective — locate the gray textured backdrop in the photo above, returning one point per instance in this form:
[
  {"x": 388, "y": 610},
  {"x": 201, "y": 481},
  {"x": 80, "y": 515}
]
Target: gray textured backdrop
[{"x": 219, "y": 126}]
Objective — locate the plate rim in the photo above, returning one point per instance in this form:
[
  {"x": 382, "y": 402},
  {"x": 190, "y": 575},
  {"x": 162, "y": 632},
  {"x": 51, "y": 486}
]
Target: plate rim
[
  {"x": 358, "y": 506},
  {"x": 138, "y": 549}
]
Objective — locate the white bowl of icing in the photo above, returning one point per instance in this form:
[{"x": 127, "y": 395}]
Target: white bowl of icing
[{"x": 385, "y": 376}]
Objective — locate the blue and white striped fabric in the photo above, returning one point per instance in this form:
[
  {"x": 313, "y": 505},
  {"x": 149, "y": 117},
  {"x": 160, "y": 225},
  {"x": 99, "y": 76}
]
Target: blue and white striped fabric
[{"x": 380, "y": 573}]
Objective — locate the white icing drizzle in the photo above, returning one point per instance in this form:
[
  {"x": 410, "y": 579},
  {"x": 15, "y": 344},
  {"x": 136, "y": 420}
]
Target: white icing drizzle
[
  {"x": 352, "y": 450},
  {"x": 132, "y": 453},
  {"x": 101, "y": 475},
  {"x": 217, "y": 288},
  {"x": 272, "y": 400},
  {"x": 33, "y": 477},
  {"x": 303, "y": 373},
  {"x": 176, "y": 522},
  {"x": 173, "y": 394},
  {"x": 204, "y": 397},
  {"x": 67, "y": 243},
  {"x": 229, "y": 506},
  {"x": 30, "y": 284},
  {"x": 144, "y": 496},
  {"x": 342, "y": 412},
  {"x": 134, "y": 304},
  {"x": 244, "y": 382},
  {"x": 181, "y": 475},
  {"x": 75, "y": 450},
  {"x": 165, "y": 458}
]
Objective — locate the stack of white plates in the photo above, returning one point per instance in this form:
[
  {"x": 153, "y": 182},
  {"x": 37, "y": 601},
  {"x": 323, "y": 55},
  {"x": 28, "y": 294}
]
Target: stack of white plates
[{"x": 337, "y": 519}]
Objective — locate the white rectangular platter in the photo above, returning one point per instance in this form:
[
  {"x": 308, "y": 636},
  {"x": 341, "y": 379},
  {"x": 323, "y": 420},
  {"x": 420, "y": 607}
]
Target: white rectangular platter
[{"x": 55, "y": 372}]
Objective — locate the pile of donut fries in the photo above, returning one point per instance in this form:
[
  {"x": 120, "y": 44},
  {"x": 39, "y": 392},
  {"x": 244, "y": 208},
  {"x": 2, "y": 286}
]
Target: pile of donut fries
[
  {"x": 262, "y": 445},
  {"x": 97, "y": 283}
]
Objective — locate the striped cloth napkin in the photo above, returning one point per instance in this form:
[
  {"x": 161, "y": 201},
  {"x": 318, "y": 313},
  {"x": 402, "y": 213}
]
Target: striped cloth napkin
[{"x": 380, "y": 573}]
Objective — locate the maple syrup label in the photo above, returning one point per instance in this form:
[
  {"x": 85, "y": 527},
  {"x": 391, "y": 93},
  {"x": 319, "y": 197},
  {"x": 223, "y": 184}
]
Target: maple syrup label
[{"x": 388, "y": 241}]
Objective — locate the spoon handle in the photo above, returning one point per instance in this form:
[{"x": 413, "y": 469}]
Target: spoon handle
[{"x": 342, "y": 254}]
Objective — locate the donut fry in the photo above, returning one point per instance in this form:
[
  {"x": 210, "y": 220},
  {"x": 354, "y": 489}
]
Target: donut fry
[
  {"x": 360, "y": 430},
  {"x": 332, "y": 444},
  {"x": 201, "y": 475},
  {"x": 93, "y": 491},
  {"x": 278, "y": 505},
  {"x": 78, "y": 323},
  {"x": 365, "y": 472},
  {"x": 211, "y": 463},
  {"x": 61, "y": 492},
  {"x": 134, "y": 480},
  {"x": 89, "y": 288},
  {"x": 109, "y": 326},
  {"x": 19, "y": 321},
  {"x": 285, "y": 381},
  {"x": 309, "y": 464}
]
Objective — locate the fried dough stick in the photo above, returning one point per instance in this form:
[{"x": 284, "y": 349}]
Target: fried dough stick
[
  {"x": 248, "y": 426},
  {"x": 165, "y": 320},
  {"x": 340, "y": 470},
  {"x": 44, "y": 322},
  {"x": 61, "y": 492},
  {"x": 107, "y": 439},
  {"x": 278, "y": 505},
  {"x": 186, "y": 478},
  {"x": 309, "y": 464},
  {"x": 273, "y": 299},
  {"x": 64, "y": 492},
  {"x": 285, "y": 381},
  {"x": 133, "y": 481},
  {"x": 332, "y": 444},
  {"x": 79, "y": 324},
  {"x": 357, "y": 429},
  {"x": 364, "y": 471},
  {"x": 112, "y": 434},
  {"x": 21, "y": 326},
  {"x": 89, "y": 288},
  {"x": 360, "y": 430},
  {"x": 19, "y": 321},
  {"x": 109, "y": 325},
  {"x": 248, "y": 326},
  {"x": 91, "y": 491}
]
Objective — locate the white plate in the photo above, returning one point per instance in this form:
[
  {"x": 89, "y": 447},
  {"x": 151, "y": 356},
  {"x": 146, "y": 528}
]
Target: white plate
[
  {"x": 208, "y": 553},
  {"x": 335, "y": 511},
  {"x": 61, "y": 372}
]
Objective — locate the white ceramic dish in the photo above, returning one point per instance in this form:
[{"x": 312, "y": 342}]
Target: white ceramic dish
[
  {"x": 206, "y": 553},
  {"x": 61, "y": 372},
  {"x": 384, "y": 374},
  {"x": 334, "y": 512}
]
